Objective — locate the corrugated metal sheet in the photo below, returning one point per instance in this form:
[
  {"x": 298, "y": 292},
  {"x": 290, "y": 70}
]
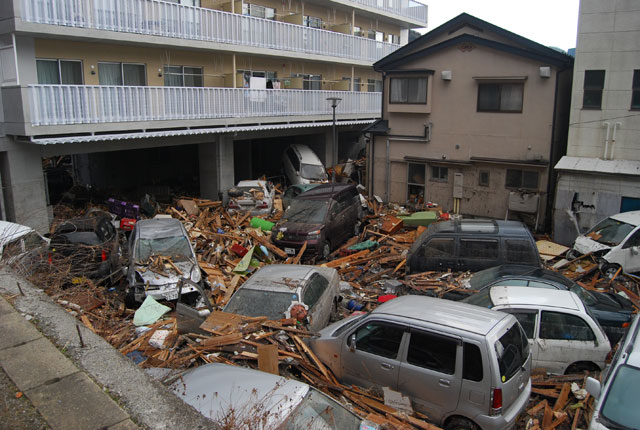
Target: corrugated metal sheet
[{"x": 188, "y": 132}]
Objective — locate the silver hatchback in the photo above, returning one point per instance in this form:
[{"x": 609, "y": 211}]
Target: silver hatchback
[{"x": 461, "y": 365}]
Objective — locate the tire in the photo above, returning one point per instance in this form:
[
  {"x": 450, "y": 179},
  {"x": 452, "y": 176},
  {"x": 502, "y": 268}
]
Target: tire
[
  {"x": 325, "y": 250},
  {"x": 572, "y": 254},
  {"x": 459, "y": 423},
  {"x": 581, "y": 367},
  {"x": 609, "y": 270}
]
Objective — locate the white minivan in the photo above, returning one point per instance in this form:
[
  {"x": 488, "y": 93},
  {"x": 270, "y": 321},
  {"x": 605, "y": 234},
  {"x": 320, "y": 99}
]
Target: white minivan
[
  {"x": 302, "y": 165},
  {"x": 615, "y": 240}
]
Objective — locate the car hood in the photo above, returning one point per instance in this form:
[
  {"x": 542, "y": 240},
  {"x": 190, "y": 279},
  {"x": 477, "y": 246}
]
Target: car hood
[
  {"x": 169, "y": 276},
  {"x": 297, "y": 228},
  {"x": 584, "y": 245},
  {"x": 610, "y": 302}
]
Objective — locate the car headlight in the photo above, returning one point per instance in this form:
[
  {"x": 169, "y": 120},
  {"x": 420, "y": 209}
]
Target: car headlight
[
  {"x": 196, "y": 276},
  {"x": 313, "y": 234}
]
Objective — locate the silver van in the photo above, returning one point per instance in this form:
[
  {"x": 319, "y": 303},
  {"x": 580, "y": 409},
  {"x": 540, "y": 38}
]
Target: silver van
[{"x": 462, "y": 365}]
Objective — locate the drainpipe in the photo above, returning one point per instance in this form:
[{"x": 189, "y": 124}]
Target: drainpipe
[
  {"x": 606, "y": 139},
  {"x": 387, "y": 191},
  {"x": 613, "y": 137}
]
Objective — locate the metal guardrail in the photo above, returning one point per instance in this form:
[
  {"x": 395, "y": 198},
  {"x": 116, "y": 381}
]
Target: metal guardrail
[
  {"x": 87, "y": 104},
  {"x": 406, "y": 8},
  {"x": 153, "y": 17}
]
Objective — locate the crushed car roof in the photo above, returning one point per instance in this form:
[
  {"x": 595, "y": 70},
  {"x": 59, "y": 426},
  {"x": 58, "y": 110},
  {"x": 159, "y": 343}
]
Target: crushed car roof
[
  {"x": 283, "y": 277},
  {"x": 159, "y": 228}
]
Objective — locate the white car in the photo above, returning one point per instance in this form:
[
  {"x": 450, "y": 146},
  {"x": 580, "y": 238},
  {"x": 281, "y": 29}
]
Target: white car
[
  {"x": 302, "y": 165},
  {"x": 238, "y": 397},
  {"x": 19, "y": 243},
  {"x": 615, "y": 241},
  {"x": 255, "y": 197},
  {"x": 563, "y": 335}
]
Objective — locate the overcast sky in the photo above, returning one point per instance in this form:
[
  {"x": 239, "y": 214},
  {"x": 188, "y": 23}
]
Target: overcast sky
[{"x": 548, "y": 22}]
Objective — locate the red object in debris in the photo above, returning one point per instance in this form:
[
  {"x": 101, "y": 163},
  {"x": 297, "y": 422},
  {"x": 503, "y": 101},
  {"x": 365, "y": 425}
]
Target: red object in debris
[
  {"x": 239, "y": 249},
  {"x": 127, "y": 224},
  {"x": 444, "y": 216},
  {"x": 386, "y": 298},
  {"x": 298, "y": 312}
]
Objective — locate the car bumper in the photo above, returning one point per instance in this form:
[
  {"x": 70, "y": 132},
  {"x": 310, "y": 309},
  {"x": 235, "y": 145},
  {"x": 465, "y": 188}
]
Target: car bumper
[
  {"x": 313, "y": 246},
  {"x": 165, "y": 292},
  {"x": 508, "y": 419}
]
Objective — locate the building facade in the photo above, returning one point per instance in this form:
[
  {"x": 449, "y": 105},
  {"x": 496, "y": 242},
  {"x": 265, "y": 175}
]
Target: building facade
[
  {"x": 600, "y": 175},
  {"x": 188, "y": 95},
  {"x": 473, "y": 118}
]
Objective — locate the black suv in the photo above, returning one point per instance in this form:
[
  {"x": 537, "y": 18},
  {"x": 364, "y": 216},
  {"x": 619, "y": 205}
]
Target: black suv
[
  {"x": 91, "y": 245},
  {"x": 324, "y": 217}
]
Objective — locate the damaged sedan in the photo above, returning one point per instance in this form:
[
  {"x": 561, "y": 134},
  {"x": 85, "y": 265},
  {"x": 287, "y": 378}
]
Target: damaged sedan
[{"x": 159, "y": 256}]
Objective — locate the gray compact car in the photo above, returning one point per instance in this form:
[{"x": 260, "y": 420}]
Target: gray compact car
[
  {"x": 274, "y": 289},
  {"x": 463, "y": 366}
]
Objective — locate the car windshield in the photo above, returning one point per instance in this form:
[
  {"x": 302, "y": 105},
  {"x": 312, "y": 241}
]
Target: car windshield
[
  {"x": 313, "y": 171},
  {"x": 307, "y": 211},
  {"x": 610, "y": 232},
  {"x": 586, "y": 297},
  {"x": 481, "y": 298},
  {"x": 484, "y": 277},
  {"x": 260, "y": 303},
  {"x": 176, "y": 247},
  {"x": 620, "y": 408},
  {"x": 512, "y": 350},
  {"x": 319, "y": 412},
  {"x": 248, "y": 191}
]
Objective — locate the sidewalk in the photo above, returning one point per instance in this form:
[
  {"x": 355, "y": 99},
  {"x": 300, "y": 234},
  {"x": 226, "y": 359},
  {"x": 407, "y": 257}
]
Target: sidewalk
[{"x": 72, "y": 376}]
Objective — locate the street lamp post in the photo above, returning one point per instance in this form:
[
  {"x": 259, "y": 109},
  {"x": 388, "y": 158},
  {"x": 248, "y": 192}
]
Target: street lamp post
[{"x": 335, "y": 101}]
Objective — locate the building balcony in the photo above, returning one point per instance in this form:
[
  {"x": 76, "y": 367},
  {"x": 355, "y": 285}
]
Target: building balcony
[
  {"x": 227, "y": 30},
  {"x": 416, "y": 12},
  {"x": 68, "y": 109}
]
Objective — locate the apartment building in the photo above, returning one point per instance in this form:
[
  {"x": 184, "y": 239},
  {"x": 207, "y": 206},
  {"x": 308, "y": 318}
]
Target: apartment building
[
  {"x": 600, "y": 175},
  {"x": 189, "y": 95},
  {"x": 474, "y": 117}
]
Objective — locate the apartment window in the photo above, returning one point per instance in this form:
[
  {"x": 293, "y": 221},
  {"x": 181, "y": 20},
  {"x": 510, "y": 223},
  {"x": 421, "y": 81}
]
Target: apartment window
[
  {"x": 593, "y": 86},
  {"x": 392, "y": 38},
  {"x": 439, "y": 173},
  {"x": 415, "y": 182},
  {"x": 635, "y": 95},
  {"x": 258, "y": 11},
  {"x": 183, "y": 76},
  {"x": 376, "y": 35},
  {"x": 357, "y": 31},
  {"x": 374, "y": 85},
  {"x": 248, "y": 74},
  {"x": 500, "y": 97},
  {"x": 356, "y": 84},
  {"x": 522, "y": 179},
  {"x": 55, "y": 72},
  {"x": 312, "y": 21},
  {"x": 408, "y": 90},
  {"x": 483, "y": 178},
  {"x": 122, "y": 74},
  {"x": 310, "y": 82}
]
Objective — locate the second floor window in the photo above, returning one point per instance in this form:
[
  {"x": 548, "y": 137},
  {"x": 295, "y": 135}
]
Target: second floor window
[
  {"x": 258, "y": 11},
  {"x": 55, "y": 72},
  {"x": 522, "y": 179},
  {"x": 183, "y": 76},
  {"x": 408, "y": 90},
  {"x": 375, "y": 85},
  {"x": 500, "y": 97},
  {"x": 122, "y": 74},
  {"x": 593, "y": 86},
  {"x": 635, "y": 94},
  {"x": 392, "y": 38},
  {"x": 312, "y": 21},
  {"x": 376, "y": 35}
]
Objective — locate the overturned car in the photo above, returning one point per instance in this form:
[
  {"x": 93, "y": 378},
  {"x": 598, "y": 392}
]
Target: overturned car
[{"x": 159, "y": 256}]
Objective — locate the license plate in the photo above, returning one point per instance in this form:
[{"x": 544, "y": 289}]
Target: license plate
[
  {"x": 290, "y": 251},
  {"x": 170, "y": 294}
]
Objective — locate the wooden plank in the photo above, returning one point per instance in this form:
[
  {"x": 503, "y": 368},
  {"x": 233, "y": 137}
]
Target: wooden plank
[
  {"x": 548, "y": 417},
  {"x": 315, "y": 359},
  {"x": 344, "y": 260},
  {"x": 297, "y": 258},
  {"x": 537, "y": 408},
  {"x": 226, "y": 339},
  {"x": 266, "y": 242},
  {"x": 231, "y": 288},
  {"x": 87, "y": 323},
  {"x": 268, "y": 359},
  {"x": 561, "y": 402}
]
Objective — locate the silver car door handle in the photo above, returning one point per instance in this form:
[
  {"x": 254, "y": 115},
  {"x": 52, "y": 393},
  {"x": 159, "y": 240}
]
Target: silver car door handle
[
  {"x": 444, "y": 382},
  {"x": 386, "y": 366}
]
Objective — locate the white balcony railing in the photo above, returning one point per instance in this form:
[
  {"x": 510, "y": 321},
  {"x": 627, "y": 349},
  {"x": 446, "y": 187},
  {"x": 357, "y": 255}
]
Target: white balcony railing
[
  {"x": 160, "y": 18},
  {"x": 406, "y": 8},
  {"x": 86, "y": 104}
]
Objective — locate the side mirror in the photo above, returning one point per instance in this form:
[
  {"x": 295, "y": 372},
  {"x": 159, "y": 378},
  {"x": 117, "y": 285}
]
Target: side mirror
[
  {"x": 352, "y": 343},
  {"x": 593, "y": 387}
]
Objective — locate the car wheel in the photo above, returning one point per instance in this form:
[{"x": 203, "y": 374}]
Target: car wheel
[
  {"x": 459, "y": 423},
  {"x": 609, "y": 270},
  {"x": 326, "y": 250},
  {"x": 581, "y": 367}
]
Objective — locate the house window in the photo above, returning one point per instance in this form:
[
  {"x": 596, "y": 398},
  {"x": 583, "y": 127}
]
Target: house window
[
  {"x": 258, "y": 11},
  {"x": 122, "y": 74},
  {"x": 500, "y": 97},
  {"x": 416, "y": 182},
  {"x": 522, "y": 179},
  {"x": 374, "y": 85},
  {"x": 408, "y": 90},
  {"x": 593, "y": 86},
  {"x": 183, "y": 76},
  {"x": 483, "y": 178},
  {"x": 439, "y": 173},
  {"x": 635, "y": 94},
  {"x": 55, "y": 72},
  {"x": 392, "y": 38},
  {"x": 312, "y": 21}
]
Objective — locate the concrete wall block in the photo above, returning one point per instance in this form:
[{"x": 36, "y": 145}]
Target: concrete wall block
[
  {"x": 596, "y": 23},
  {"x": 597, "y": 6},
  {"x": 628, "y": 21}
]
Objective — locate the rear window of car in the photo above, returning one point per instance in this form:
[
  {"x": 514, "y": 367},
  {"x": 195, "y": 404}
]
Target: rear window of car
[
  {"x": 512, "y": 350},
  {"x": 519, "y": 251},
  {"x": 473, "y": 248}
]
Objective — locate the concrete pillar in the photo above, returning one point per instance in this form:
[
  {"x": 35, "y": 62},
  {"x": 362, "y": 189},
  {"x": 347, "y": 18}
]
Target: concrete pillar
[
  {"x": 25, "y": 200},
  {"x": 216, "y": 168}
]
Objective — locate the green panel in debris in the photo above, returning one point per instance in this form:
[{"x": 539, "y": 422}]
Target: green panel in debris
[{"x": 419, "y": 218}]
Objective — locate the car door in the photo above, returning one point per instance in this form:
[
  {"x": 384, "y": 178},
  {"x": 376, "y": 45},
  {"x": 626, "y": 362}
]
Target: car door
[
  {"x": 370, "y": 354},
  {"x": 563, "y": 339},
  {"x": 430, "y": 372},
  {"x": 437, "y": 253},
  {"x": 631, "y": 251},
  {"x": 334, "y": 232},
  {"x": 528, "y": 319},
  {"x": 312, "y": 296},
  {"x": 477, "y": 254}
]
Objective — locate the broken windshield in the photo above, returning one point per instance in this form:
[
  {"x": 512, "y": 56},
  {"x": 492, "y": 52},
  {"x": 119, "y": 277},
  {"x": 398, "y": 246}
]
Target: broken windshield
[
  {"x": 176, "y": 247},
  {"x": 313, "y": 171},
  {"x": 610, "y": 232},
  {"x": 307, "y": 211},
  {"x": 317, "y": 411},
  {"x": 261, "y": 303}
]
